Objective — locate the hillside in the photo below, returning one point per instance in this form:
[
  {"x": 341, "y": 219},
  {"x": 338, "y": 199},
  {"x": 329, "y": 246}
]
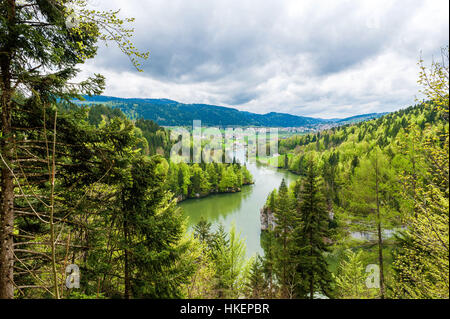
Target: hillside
[
  {"x": 360, "y": 138},
  {"x": 359, "y": 118},
  {"x": 375, "y": 179},
  {"x": 172, "y": 113}
]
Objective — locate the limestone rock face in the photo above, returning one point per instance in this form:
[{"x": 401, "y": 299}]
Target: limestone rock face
[{"x": 268, "y": 220}]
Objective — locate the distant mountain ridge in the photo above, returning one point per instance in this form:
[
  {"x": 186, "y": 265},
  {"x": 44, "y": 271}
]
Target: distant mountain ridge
[
  {"x": 167, "y": 112},
  {"x": 360, "y": 118}
]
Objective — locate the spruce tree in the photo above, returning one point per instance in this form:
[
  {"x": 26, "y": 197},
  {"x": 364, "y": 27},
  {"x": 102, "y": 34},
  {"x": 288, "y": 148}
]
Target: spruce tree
[
  {"x": 284, "y": 219},
  {"x": 39, "y": 53},
  {"x": 309, "y": 236},
  {"x": 151, "y": 230},
  {"x": 351, "y": 276},
  {"x": 256, "y": 282}
]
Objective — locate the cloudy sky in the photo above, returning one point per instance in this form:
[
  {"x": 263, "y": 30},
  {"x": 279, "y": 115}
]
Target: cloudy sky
[{"x": 307, "y": 57}]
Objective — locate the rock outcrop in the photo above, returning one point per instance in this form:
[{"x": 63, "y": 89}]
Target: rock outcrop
[{"x": 268, "y": 220}]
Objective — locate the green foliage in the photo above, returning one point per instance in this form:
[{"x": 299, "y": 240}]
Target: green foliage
[
  {"x": 310, "y": 237},
  {"x": 51, "y": 157},
  {"x": 171, "y": 113},
  {"x": 194, "y": 181},
  {"x": 422, "y": 260},
  {"x": 351, "y": 277},
  {"x": 389, "y": 174},
  {"x": 295, "y": 247},
  {"x": 153, "y": 139},
  {"x": 89, "y": 186},
  {"x": 256, "y": 285},
  {"x": 285, "y": 220},
  {"x": 153, "y": 228},
  {"x": 225, "y": 253}
]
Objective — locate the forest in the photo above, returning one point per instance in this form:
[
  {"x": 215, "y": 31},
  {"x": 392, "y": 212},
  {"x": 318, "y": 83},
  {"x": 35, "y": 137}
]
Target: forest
[
  {"x": 375, "y": 177},
  {"x": 172, "y": 113},
  {"x": 90, "y": 186}
]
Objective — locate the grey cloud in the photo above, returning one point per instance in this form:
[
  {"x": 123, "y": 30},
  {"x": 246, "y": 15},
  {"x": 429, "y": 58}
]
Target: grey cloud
[{"x": 267, "y": 56}]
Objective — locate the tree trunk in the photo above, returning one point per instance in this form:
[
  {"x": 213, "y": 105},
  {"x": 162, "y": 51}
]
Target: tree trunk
[
  {"x": 6, "y": 234},
  {"x": 7, "y": 177},
  {"x": 52, "y": 174},
  {"x": 311, "y": 279},
  {"x": 285, "y": 253},
  {"x": 380, "y": 237},
  {"x": 380, "y": 260},
  {"x": 414, "y": 178},
  {"x": 127, "y": 294}
]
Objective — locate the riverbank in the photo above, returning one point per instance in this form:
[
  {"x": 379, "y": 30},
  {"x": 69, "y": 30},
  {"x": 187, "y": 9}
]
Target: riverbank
[
  {"x": 230, "y": 190},
  {"x": 239, "y": 208}
]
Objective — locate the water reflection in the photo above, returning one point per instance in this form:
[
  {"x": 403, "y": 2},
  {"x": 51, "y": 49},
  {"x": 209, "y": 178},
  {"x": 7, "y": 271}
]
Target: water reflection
[{"x": 240, "y": 208}]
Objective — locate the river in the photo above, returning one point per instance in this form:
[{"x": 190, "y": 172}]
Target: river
[{"x": 241, "y": 208}]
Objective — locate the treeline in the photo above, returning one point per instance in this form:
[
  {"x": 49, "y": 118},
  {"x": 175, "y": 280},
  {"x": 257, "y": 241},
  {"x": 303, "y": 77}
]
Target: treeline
[
  {"x": 184, "y": 180},
  {"x": 199, "y": 180},
  {"x": 368, "y": 130},
  {"x": 172, "y": 113}
]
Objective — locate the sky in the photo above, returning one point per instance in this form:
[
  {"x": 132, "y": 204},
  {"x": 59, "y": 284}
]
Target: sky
[{"x": 319, "y": 58}]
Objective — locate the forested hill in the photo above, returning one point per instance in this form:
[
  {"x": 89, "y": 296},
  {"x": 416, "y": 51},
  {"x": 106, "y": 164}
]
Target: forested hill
[
  {"x": 388, "y": 175},
  {"x": 382, "y": 132},
  {"x": 360, "y": 118},
  {"x": 171, "y": 113}
]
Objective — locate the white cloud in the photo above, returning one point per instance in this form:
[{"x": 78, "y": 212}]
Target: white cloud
[{"x": 314, "y": 58}]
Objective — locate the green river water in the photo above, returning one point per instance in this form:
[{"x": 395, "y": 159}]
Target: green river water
[{"x": 243, "y": 208}]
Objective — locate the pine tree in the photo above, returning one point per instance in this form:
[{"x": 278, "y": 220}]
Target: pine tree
[
  {"x": 230, "y": 264},
  {"x": 256, "y": 282},
  {"x": 202, "y": 231},
  {"x": 351, "y": 277},
  {"x": 39, "y": 54},
  {"x": 284, "y": 218},
  {"x": 151, "y": 233},
  {"x": 309, "y": 236}
]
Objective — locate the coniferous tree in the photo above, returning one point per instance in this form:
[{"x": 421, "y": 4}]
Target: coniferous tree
[
  {"x": 256, "y": 282},
  {"x": 230, "y": 264},
  {"x": 351, "y": 277},
  {"x": 310, "y": 235},
  {"x": 284, "y": 219},
  {"x": 268, "y": 243},
  {"x": 39, "y": 54},
  {"x": 152, "y": 228}
]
